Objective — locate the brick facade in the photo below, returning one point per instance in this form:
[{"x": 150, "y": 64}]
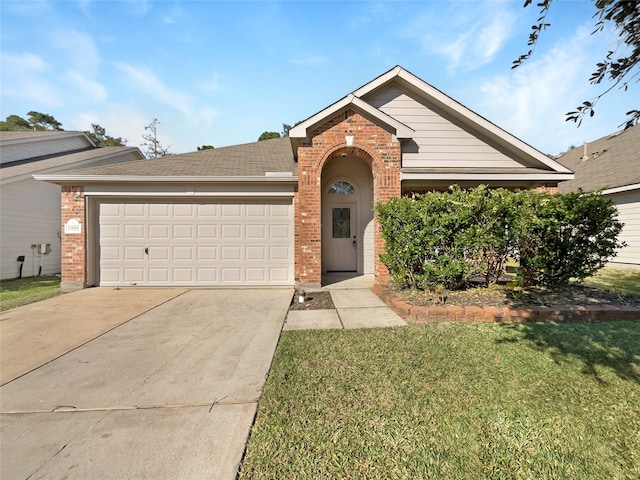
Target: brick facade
[
  {"x": 373, "y": 144},
  {"x": 73, "y": 245}
]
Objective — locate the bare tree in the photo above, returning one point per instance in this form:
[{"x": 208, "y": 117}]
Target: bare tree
[{"x": 154, "y": 148}]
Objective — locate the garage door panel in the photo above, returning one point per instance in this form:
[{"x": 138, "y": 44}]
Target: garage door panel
[
  {"x": 280, "y": 253},
  {"x": 197, "y": 243},
  {"x": 279, "y": 231},
  {"x": 159, "y": 232},
  {"x": 133, "y": 253},
  {"x": 182, "y": 253},
  {"x": 281, "y": 210},
  {"x": 278, "y": 275},
  {"x": 183, "y": 210},
  {"x": 134, "y": 210},
  {"x": 110, "y": 232},
  {"x": 158, "y": 253},
  {"x": 159, "y": 210},
  {"x": 256, "y": 210},
  {"x": 209, "y": 232},
  {"x": 231, "y": 232},
  {"x": 231, "y": 210},
  {"x": 134, "y": 275},
  {"x": 257, "y": 252},
  {"x": 184, "y": 232},
  {"x": 207, "y": 275},
  {"x": 256, "y": 275},
  {"x": 207, "y": 211},
  {"x": 183, "y": 275},
  {"x": 256, "y": 232},
  {"x": 230, "y": 253},
  {"x": 231, "y": 275},
  {"x": 159, "y": 275},
  {"x": 207, "y": 253},
  {"x": 135, "y": 231}
]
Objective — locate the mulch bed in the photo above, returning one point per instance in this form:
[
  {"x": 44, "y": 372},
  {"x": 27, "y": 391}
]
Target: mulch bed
[
  {"x": 312, "y": 301},
  {"x": 501, "y": 296}
]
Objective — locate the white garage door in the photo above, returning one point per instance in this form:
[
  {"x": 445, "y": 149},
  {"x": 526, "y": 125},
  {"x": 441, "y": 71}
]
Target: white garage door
[{"x": 203, "y": 243}]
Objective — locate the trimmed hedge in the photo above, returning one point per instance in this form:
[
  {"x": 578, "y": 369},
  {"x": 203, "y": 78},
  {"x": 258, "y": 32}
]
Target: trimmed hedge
[{"x": 442, "y": 239}]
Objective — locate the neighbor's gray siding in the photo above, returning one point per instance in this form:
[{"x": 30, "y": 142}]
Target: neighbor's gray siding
[
  {"x": 21, "y": 151},
  {"x": 30, "y": 212},
  {"x": 628, "y": 205},
  {"x": 439, "y": 142}
]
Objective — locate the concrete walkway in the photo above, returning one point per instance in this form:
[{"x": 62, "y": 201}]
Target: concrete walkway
[{"x": 356, "y": 306}]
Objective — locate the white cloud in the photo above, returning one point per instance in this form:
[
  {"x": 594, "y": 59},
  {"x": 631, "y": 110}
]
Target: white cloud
[
  {"x": 532, "y": 100},
  {"x": 27, "y": 76},
  {"x": 92, "y": 90},
  {"x": 145, "y": 81},
  {"x": 467, "y": 38},
  {"x": 212, "y": 85},
  {"x": 77, "y": 50},
  {"x": 208, "y": 115}
]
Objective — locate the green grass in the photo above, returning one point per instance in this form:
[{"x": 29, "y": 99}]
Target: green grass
[
  {"x": 17, "y": 292},
  {"x": 472, "y": 401},
  {"x": 616, "y": 280}
]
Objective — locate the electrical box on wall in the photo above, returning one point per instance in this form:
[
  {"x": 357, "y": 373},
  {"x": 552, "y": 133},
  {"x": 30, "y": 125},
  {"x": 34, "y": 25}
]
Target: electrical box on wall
[{"x": 44, "y": 248}]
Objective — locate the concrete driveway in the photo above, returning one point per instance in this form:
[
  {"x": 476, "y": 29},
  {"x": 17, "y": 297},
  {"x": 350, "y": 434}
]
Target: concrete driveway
[{"x": 170, "y": 392}]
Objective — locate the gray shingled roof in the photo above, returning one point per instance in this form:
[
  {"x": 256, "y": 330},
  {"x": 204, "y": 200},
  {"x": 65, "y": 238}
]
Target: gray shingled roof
[
  {"x": 247, "y": 160},
  {"x": 59, "y": 161},
  {"x": 613, "y": 161},
  {"x": 34, "y": 134}
]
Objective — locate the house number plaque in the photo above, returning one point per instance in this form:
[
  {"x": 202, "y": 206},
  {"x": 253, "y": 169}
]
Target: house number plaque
[{"x": 72, "y": 226}]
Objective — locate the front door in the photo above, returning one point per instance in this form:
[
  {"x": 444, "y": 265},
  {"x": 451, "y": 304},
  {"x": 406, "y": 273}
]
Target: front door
[{"x": 340, "y": 246}]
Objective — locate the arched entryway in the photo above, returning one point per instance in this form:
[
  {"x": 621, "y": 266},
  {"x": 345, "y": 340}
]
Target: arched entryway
[{"x": 347, "y": 216}]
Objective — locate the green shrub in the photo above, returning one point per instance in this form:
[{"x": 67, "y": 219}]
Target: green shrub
[
  {"x": 444, "y": 239},
  {"x": 564, "y": 236}
]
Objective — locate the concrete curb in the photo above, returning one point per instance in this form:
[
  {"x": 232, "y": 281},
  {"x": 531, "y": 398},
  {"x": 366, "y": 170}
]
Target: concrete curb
[{"x": 554, "y": 313}]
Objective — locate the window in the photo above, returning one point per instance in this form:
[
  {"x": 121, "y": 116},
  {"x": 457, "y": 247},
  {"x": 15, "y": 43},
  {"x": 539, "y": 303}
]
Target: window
[
  {"x": 341, "y": 187},
  {"x": 341, "y": 222}
]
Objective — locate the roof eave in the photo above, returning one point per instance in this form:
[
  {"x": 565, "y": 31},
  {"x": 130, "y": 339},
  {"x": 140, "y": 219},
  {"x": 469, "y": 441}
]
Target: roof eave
[
  {"x": 625, "y": 188},
  {"x": 301, "y": 130},
  {"x": 82, "y": 179},
  {"x": 559, "y": 177},
  {"x": 73, "y": 165}
]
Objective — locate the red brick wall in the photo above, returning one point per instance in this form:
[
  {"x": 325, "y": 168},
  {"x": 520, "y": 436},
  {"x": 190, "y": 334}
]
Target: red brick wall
[
  {"x": 377, "y": 147},
  {"x": 73, "y": 245}
]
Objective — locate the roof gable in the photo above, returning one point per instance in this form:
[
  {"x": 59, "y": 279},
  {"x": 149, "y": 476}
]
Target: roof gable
[
  {"x": 439, "y": 102},
  {"x": 399, "y": 129}
]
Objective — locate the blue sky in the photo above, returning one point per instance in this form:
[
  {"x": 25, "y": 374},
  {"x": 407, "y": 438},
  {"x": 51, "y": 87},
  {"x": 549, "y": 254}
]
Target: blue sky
[{"x": 221, "y": 73}]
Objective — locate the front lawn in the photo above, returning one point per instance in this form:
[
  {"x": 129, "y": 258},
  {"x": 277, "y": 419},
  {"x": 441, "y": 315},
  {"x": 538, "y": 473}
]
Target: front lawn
[
  {"x": 616, "y": 280},
  {"x": 21, "y": 291},
  {"x": 543, "y": 401}
]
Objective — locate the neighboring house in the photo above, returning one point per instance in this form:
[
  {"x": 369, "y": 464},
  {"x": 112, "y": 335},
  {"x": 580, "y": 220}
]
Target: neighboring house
[
  {"x": 612, "y": 164},
  {"x": 287, "y": 210},
  {"x": 30, "y": 210}
]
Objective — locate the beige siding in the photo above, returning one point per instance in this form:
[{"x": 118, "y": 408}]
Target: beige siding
[
  {"x": 628, "y": 204},
  {"x": 440, "y": 143},
  {"x": 30, "y": 213},
  {"x": 21, "y": 151}
]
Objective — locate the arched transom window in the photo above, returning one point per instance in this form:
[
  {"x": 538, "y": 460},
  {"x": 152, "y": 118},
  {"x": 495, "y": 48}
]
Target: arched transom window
[{"x": 341, "y": 187}]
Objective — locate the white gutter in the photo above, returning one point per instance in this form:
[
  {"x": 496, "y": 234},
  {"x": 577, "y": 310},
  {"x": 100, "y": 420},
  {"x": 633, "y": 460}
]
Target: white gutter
[
  {"x": 626, "y": 188},
  {"x": 486, "y": 176},
  {"x": 162, "y": 179}
]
